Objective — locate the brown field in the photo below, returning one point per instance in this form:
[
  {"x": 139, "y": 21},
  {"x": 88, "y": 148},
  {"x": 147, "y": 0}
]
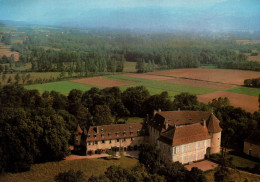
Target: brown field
[
  {"x": 254, "y": 58},
  {"x": 248, "y": 41},
  {"x": 6, "y": 50},
  {"x": 227, "y": 76},
  {"x": 146, "y": 76},
  {"x": 249, "y": 103},
  {"x": 199, "y": 83},
  {"x": 102, "y": 82}
]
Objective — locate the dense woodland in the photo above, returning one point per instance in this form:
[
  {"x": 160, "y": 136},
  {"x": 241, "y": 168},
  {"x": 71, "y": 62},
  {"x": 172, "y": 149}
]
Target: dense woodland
[
  {"x": 38, "y": 127},
  {"x": 85, "y": 52},
  {"x": 252, "y": 82}
]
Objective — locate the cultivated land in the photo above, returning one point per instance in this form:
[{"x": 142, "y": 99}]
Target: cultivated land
[
  {"x": 248, "y": 41},
  {"x": 102, "y": 82},
  {"x": 228, "y": 76},
  {"x": 249, "y": 103},
  {"x": 206, "y": 83},
  {"x": 47, "y": 171},
  {"x": 6, "y": 50},
  {"x": 254, "y": 58}
]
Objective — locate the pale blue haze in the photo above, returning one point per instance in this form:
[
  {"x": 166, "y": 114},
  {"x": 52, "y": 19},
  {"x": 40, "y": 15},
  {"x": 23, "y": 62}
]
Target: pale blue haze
[{"x": 213, "y": 15}]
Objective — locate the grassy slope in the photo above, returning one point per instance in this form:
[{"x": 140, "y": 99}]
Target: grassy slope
[
  {"x": 46, "y": 172},
  {"x": 63, "y": 87},
  {"x": 246, "y": 91},
  {"x": 235, "y": 175}
]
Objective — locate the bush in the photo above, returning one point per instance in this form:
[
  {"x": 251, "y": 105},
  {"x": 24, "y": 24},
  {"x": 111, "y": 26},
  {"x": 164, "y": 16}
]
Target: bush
[{"x": 90, "y": 152}]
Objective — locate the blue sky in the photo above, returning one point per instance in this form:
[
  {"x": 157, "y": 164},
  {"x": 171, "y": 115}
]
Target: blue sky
[{"x": 137, "y": 14}]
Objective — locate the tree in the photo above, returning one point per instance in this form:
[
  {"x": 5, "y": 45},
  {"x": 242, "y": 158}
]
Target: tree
[
  {"x": 133, "y": 99},
  {"x": 185, "y": 101},
  {"x": 196, "y": 175},
  {"x": 9, "y": 80},
  {"x": 17, "y": 78},
  {"x": 70, "y": 176},
  {"x": 102, "y": 115},
  {"x": 149, "y": 156},
  {"x": 140, "y": 66},
  {"x": 174, "y": 172},
  {"x": 1, "y": 68}
]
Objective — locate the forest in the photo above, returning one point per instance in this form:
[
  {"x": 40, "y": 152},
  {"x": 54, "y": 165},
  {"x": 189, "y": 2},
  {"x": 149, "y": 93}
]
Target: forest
[
  {"x": 38, "y": 127},
  {"x": 88, "y": 51}
]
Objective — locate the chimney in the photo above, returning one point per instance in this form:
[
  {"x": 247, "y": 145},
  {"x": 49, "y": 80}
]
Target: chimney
[
  {"x": 179, "y": 109},
  {"x": 204, "y": 123},
  {"x": 97, "y": 129},
  {"x": 154, "y": 112},
  {"x": 166, "y": 125}
]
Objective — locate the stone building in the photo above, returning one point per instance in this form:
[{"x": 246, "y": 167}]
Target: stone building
[
  {"x": 183, "y": 136},
  {"x": 252, "y": 145}
]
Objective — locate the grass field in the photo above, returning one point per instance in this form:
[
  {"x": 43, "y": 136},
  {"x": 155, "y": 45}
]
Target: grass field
[
  {"x": 63, "y": 87},
  {"x": 245, "y": 91},
  {"x": 235, "y": 175},
  {"x": 47, "y": 171}
]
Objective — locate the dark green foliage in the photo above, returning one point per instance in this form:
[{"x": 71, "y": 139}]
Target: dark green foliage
[
  {"x": 149, "y": 156},
  {"x": 155, "y": 102},
  {"x": 186, "y": 101},
  {"x": 70, "y": 176},
  {"x": 133, "y": 99},
  {"x": 252, "y": 82},
  {"x": 196, "y": 175}
]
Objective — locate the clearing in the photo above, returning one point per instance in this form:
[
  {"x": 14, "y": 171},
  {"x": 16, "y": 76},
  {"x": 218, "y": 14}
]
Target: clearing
[
  {"x": 248, "y": 41},
  {"x": 102, "y": 82},
  {"x": 227, "y": 76},
  {"x": 249, "y": 103},
  {"x": 254, "y": 58}
]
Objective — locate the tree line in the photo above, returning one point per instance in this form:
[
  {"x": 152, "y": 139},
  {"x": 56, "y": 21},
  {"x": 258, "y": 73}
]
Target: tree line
[{"x": 252, "y": 82}]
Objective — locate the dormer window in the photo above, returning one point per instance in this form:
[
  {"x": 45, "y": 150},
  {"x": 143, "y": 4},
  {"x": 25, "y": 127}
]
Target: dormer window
[
  {"x": 130, "y": 127},
  {"x": 131, "y": 132},
  {"x": 102, "y": 135},
  {"x": 117, "y": 134},
  {"x": 109, "y": 134},
  {"x": 124, "y": 133},
  {"x": 101, "y": 129},
  {"x": 95, "y": 136},
  {"x": 138, "y": 132},
  {"x": 88, "y": 136}
]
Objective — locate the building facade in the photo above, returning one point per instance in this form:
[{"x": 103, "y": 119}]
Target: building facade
[{"x": 183, "y": 136}]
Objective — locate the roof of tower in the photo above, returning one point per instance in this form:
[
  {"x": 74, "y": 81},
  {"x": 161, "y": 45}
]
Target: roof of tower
[
  {"x": 78, "y": 130},
  {"x": 213, "y": 124}
]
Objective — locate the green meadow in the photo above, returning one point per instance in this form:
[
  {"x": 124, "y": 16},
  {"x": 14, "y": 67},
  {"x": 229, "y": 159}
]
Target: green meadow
[
  {"x": 154, "y": 87},
  {"x": 245, "y": 91}
]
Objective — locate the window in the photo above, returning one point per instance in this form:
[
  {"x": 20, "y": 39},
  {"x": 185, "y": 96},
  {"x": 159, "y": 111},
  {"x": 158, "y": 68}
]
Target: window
[
  {"x": 95, "y": 136},
  {"x": 88, "y": 136},
  {"x": 132, "y": 139},
  {"x": 174, "y": 150},
  {"x": 110, "y": 141},
  {"x": 103, "y": 141},
  {"x": 96, "y": 142},
  {"x": 138, "y": 132},
  {"x": 180, "y": 149},
  {"x": 124, "y": 140},
  {"x": 102, "y": 135},
  {"x": 117, "y": 140},
  {"x": 199, "y": 144},
  {"x": 89, "y": 143},
  {"x": 184, "y": 148},
  {"x": 109, "y": 134},
  {"x": 131, "y": 132}
]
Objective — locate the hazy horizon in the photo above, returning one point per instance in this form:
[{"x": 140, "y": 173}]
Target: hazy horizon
[{"x": 185, "y": 15}]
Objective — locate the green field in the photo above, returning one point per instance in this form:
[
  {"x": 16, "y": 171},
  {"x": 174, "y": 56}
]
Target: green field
[
  {"x": 154, "y": 87},
  {"x": 245, "y": 90},
  {"x": 63, "y": 87},
  {"x": 47, "y": 171}
]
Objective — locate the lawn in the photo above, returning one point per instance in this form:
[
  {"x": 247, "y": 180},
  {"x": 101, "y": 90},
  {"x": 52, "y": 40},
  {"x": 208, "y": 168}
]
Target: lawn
[
  {"x": 235, "y": 175},
  {"x": 245, "y": 91},
  {"x": 47, "y": 171},
  {"x": 63, "y": 87},
  {"x": 242, "y": 162},
  {"x": 132, "y": 120}
]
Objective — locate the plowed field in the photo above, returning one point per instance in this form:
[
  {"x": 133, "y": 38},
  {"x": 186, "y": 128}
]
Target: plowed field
[
  {"x": 102, "y": 82},
  {"x": 249, "y": 103},
  {"x": 6, "y": 50},
  {"x": 199, "y": 83},
  {"x": 235, "y": 77}
]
